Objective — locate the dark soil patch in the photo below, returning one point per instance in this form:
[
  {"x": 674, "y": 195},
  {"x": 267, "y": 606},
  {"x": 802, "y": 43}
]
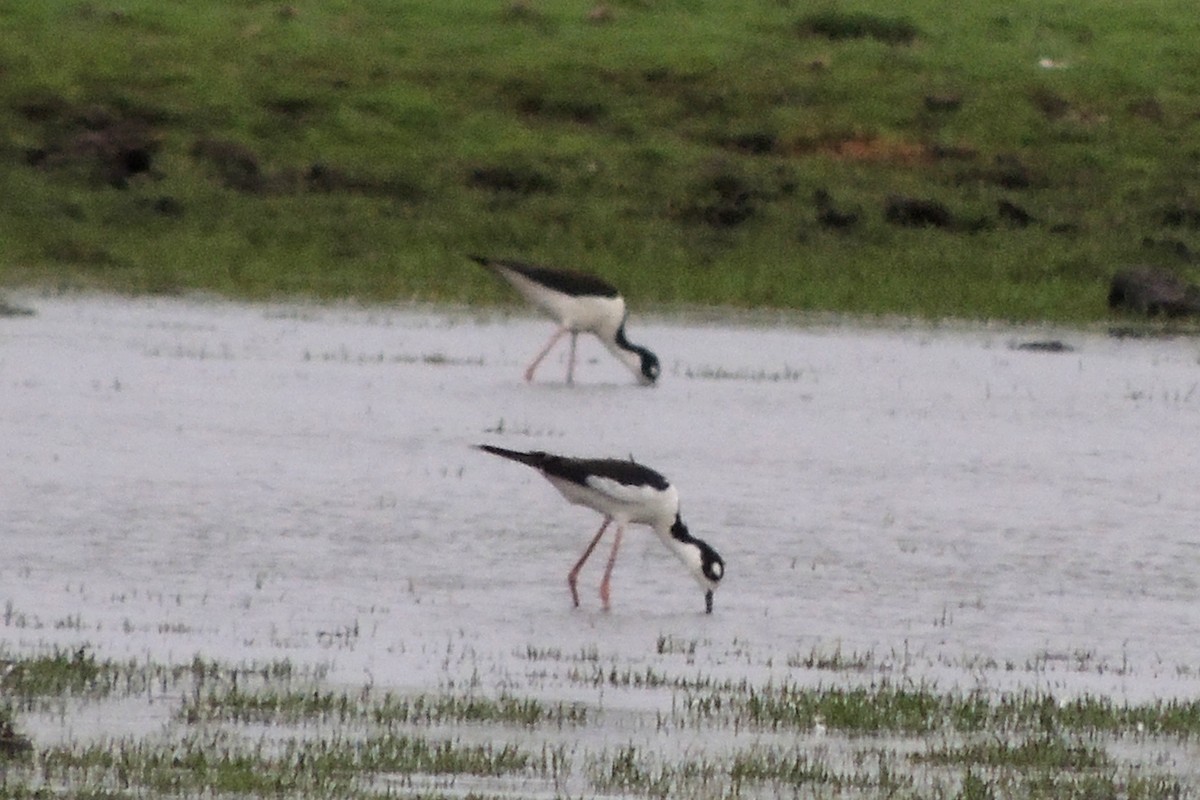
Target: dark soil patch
[
  {"x": 943, "y": 103},
  {"x": 513, "y": 179},
  {"x": 329, "y": 179},
  {"x": 1153, "y": 291},
  {"x": 1181, "y": 215},
  {"x": 722, "y": 197},
  {"x": 1172, "y": 247},
  {"x": 296, "y": 109},
  {"x": 534, "y": 102},
  {"x": 920, "y": 212},
  {"x": 1051, "y": 104},
  {"x": 98, "y": 142},
  {"x": 167, "y": 206},
  {"x": 953, "y": 152},
  {"x": 1014, "y": 214},
  {"x": 869, "y": 149},
  {"x": 915, "y": 212},
  {"x": 235, "y": 165},
  {"x": 1147, "y": 108},
  {"x": 238, "y": 167},
  {"x": 829, "y": 215},
  {"x": 1005, "y": 171},
  {"x": 838, "y": 25},
  {"x": 1009, "y": 172},
  {"x": 755, "y": 143}
]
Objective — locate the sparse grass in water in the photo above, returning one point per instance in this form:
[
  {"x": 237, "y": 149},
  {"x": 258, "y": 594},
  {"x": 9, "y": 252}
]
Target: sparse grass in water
[
  {"x": 295, "y": 707},
  {"x": 1046, "y": 752},
  {"x": 60, "y": 672},
  {"x": 784, "y": 375},
  {"x": 224, "y": 765},
  {"x": 885, "y": 708},
  {"x": 588, "y": 653},
  {"x": 834, "y": 661},
  {"x": 878, "y": 740},
  {"x": 345, "y": 356},
  {"x": 665, "y": 645}
]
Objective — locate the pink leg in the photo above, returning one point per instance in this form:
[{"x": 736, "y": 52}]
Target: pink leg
[
  {"x": 571, "y": 360},
  {"x": 573, "y": 575},
  {"x": 558, "y": 334},
  {"x": 612, "y": 559}
]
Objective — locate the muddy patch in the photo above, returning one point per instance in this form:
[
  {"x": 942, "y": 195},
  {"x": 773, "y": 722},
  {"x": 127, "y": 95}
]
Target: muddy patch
[{"x": 102, "y": 143}]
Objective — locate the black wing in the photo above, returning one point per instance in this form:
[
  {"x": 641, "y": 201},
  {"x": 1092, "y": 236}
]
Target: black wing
[
  {"x": 624, "y": 472},
  {"x": 560, "y": 280},
  {"x": 578, "y": 470}
]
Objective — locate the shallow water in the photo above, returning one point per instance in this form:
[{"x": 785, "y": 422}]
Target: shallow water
[{"x": 253, "y": 483}]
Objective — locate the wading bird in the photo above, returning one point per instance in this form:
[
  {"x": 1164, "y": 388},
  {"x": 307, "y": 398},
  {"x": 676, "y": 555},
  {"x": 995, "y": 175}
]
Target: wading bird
[
  {"x": 625, "y": 492},
  {"x": 581, "y": 303}
]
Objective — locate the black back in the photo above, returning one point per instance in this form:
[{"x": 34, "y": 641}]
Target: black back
[
  {"x": 578, "y": 470},
  {"x": 624, "y": 471},
  {"x": 576, "y": 284}
]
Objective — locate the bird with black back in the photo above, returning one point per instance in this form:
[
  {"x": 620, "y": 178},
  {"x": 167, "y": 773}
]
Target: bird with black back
[
  {"x": 582, "y": 303},
  {"x": 626, "y": 493}
]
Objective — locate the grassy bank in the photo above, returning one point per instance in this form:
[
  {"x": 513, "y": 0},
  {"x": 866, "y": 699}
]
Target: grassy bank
[{"x": 995, "y": 161}]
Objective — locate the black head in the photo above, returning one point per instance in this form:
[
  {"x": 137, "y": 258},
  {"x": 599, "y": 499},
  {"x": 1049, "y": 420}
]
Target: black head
[
  {"x": 711, "y": 564},
  {"x": 650, "y": 366},
  {"x": 647, "y": 366},
  {"x": 706, "y": 564}
]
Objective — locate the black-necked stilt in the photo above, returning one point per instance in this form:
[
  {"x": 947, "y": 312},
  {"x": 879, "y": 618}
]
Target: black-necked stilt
[
  {"x": 625, "y": 492},
  {"x": 581, "y": 303}
]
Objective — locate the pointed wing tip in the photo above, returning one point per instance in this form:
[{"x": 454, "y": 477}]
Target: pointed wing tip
[{"x": 515, "y": 455}]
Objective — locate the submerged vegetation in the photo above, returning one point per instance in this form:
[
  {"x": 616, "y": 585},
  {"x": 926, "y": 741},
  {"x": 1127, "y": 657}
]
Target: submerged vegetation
[
  {"x": 261, "y": 730},
  {"x": 998, "y": 162}
]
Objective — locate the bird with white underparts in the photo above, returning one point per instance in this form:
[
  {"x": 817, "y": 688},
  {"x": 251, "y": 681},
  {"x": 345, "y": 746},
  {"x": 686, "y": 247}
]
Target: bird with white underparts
[
  {"x": 626, "y": 493},
  {"x": 582, "y": 303}
]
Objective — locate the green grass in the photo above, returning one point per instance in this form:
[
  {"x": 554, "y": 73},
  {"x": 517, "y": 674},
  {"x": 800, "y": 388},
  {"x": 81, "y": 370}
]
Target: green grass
[
  {"x": 203, "y": 764},
  {"x": 336, "y": 149},
  {"x": 272, "y": 707},
  {"x": 885, "y": 708},
  {"x": 266, "y": 730}
]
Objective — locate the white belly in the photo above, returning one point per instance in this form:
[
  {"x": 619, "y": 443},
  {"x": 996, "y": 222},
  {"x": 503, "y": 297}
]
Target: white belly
[
  {"x": 588, "y": 313},
  {"x": 625, "y": 504}
]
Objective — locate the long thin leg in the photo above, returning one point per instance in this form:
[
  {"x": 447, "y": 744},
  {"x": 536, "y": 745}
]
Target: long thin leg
[
  {"x": 558, "y": 334},
  {"x": 571, "y": 360},
  {"x": 612, "y": 559},
  {"x": 573, "y": 575}
]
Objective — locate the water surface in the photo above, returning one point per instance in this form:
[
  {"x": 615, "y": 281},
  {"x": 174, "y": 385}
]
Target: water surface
[{"x": 252, "y": 483}]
